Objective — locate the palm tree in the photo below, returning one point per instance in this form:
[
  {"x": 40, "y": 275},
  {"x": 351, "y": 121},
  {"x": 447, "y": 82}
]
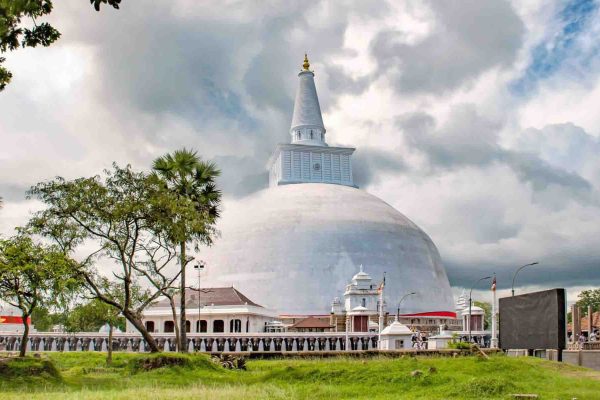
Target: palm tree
[{"x": 188, "y": 176}]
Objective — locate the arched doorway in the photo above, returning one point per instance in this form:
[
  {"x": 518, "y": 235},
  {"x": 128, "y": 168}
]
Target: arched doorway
[
  {"x": 203, "y": 326},
  {"x": 150, "y": 326},
  {"x": 218, "y": 326}
]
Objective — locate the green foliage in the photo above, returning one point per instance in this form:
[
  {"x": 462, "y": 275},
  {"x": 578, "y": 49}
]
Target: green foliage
[
  {"x": 128, "y": 219},
  {"x": 589, "y": 298},
  {"x": 487, "y": 308},
  {"x": 86, "y": 376},
  {"x": 156, "y": 361},
  {"x": 458, "y": 345},
  {"x": 32, "y": 274},
  {"x": 91, "y": 316},
  {"x": 14, "y": 33},
  {"x": 486, "y": 387},
  {"x": 96, "y": 3},
  {"x": 193, "y": 180},
  {"x": 44, "y": 320},
  {"x": 29, "y": 370}
]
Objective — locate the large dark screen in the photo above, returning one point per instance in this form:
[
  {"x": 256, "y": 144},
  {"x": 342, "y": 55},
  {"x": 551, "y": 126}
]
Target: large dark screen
[{"x": 533, "y": 320}]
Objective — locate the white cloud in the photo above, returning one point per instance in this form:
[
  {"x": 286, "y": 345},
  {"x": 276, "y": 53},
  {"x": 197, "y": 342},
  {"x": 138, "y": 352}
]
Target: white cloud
[{"x": 496, "y": 179}]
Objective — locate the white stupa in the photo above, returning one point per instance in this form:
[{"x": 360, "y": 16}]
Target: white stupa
[{"x": 292, "y": 246}]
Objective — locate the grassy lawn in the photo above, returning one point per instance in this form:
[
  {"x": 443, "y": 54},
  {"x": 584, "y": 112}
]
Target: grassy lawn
[{"x": 85, "y": 376}]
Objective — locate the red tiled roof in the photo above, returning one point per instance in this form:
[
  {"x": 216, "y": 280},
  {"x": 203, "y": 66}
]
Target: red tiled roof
[
  {"x": 226, "y": 296},
  {"x": 584, "y": 322},
  {"x": 311, "y": 322}
]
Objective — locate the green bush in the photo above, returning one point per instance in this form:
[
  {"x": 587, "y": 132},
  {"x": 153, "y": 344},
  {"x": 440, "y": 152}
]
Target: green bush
[
  {"x": 484, "y": 387},
  {"x": 161, "y": 360},
  {"x": 459, "y": 345},
  {"x": 31, "y": 369}
]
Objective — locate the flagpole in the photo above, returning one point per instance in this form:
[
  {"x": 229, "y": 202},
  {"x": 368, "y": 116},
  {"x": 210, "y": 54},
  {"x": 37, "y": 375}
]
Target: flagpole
[
  {"x": 494, "y": 343},
  {"x": 380, "y": 312}
]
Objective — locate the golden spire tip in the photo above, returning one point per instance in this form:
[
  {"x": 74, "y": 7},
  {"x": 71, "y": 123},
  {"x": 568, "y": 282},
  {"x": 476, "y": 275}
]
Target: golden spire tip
[{"x": 306, "y": 64}]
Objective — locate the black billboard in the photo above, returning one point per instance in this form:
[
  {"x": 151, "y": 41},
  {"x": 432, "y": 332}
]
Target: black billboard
[{"x": 533, "y": 320}]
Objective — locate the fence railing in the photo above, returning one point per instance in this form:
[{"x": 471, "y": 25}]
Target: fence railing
[{"x": 214, "y": 342}]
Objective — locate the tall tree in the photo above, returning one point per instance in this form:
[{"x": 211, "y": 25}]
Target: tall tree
[
  {"x": 587, "y": 298},
  {"x": 119, "y": 216},
  {"x": 33, "y": 275},
  {"x": 14, "y": 33},
  {"x": 189, "y": 177}
]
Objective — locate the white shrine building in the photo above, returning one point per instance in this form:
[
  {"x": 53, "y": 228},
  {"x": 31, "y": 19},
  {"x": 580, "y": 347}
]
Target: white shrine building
[
  {"x": 292, "y": 245},
  {"x": 220, "y": 310}
]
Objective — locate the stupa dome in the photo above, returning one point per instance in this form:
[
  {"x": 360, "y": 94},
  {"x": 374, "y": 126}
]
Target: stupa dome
[{"x": 293, "y": 247}]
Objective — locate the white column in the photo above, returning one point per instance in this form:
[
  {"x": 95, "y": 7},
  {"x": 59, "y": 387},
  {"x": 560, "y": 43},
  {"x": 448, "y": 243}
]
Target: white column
[{"x": 494, "y": 343}]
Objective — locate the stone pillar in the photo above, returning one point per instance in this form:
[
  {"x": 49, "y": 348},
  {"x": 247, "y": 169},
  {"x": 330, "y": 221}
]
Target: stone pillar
[
  {"x": 575, "y": 314},
  {"x": 590, "y": 321}
]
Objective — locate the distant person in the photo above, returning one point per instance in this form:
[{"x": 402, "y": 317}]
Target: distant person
[
  {"x": 593, "y": 336},
  {"x": 582, "y": 340}
]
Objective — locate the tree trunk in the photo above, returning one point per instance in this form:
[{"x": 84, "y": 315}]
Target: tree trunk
[
  {"x": 137, "y": 323},
  {"x": 175, "y": 324},
  {"x": 182, "y": 316},
  {"x": 25, "y": 337},
  {"x": 110, "y": 345}
]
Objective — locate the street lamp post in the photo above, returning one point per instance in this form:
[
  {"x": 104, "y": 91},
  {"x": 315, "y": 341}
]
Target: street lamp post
[
  {"x": 400, "y": 302},
  {"x": 515, "y": 275},
  {"x": 471, "y": 302},
  {"x": 199, "y": 267}
]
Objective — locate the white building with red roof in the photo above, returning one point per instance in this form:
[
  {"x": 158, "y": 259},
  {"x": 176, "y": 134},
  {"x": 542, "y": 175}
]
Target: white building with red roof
[{"x": 220, "y": 310}]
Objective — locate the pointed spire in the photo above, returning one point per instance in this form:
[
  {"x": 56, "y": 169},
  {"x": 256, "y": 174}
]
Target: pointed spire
[{"x": 307, "y": 121}]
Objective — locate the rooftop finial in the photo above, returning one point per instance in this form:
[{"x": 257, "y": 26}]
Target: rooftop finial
[{"x": 306, "y": 63}]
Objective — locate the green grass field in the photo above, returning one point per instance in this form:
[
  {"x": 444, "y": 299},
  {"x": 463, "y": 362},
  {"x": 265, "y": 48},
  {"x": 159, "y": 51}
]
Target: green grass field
[{"x": 85, "y": 376}]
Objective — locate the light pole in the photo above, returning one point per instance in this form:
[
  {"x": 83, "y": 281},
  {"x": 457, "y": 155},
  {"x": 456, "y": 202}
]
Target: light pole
[
  {"x": 400, "y": 302},
  {"x": 199, "y": 267},
  {"x": 515, "y": 275},
  {"x": 471, "y": 302}
]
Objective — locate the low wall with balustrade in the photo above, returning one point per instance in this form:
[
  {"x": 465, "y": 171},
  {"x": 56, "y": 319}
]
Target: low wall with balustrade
[{"x": 216, "y": 342}]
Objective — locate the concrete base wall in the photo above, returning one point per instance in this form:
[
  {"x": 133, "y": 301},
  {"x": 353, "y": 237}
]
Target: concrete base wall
[{"x": 583, "y": 358}]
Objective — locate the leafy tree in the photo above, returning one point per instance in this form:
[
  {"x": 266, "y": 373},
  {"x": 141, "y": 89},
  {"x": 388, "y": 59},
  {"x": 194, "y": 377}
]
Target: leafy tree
[
  {"x": 91, "y": 316},
  {"x": 190, "y": 178},
  {"x": 120, "y": 216},
  {"x": 33, "y": 275},
  {"x": 487, "y": 308},
  {"x": 589, "y": 298},
  {"x": 14, "y": 34},
  {"x": 43, "y": 319}
]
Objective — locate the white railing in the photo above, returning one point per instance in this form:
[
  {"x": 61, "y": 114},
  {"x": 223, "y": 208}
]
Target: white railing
[{"x": 204, "y": 342}]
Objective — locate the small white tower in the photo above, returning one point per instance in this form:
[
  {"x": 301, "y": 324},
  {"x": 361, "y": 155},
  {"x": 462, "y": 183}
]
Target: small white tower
[{"x": 308, "y": 159}]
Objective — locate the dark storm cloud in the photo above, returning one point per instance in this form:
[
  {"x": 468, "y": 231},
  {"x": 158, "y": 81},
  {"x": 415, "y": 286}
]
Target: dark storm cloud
[
  {"x": 468, "y": 38},
  {"x": 232, "y": 79},
  {"x": 470, "y": 139},
  {"x": 554, "y": 271},
  {"x": 368, "y": 163},
  {"x": 232, "y": 183}
]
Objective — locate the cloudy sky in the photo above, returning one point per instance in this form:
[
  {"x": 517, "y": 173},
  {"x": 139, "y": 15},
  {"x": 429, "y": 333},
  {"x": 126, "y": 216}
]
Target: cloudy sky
[{"x": 477, "y": 119}]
